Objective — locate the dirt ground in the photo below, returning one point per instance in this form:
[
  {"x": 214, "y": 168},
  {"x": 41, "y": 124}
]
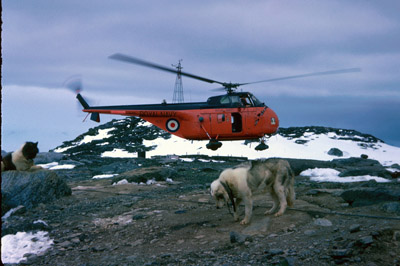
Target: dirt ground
[{"x": 178, "y": 224}]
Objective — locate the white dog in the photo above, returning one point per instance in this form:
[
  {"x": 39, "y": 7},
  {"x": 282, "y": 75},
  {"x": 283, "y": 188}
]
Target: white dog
[{"x": 239, "y": 184}]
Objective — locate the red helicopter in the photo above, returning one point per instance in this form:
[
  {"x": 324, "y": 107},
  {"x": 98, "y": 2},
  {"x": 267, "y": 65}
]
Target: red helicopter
[{"x": 232, "y": 116}]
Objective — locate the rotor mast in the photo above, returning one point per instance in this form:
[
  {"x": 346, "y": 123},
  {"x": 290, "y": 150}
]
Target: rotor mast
[{"x": 178, "y": 90}]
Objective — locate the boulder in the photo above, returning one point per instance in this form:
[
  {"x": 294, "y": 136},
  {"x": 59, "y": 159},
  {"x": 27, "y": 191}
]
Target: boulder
[
  {"x": 158, "y": 173},
  {"x": 48, "y": 157},
  {"x": 335, "y": 152},
  {"x": 299, "y": 165},
  {"x": 368, "y": 196},
  {"x": 31, "y": 188},
  {"x": 359, "y": 167}
]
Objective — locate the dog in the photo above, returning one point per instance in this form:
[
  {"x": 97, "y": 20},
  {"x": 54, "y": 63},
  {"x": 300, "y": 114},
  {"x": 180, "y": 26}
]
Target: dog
[
  {"x": 239, "y": 184},
  {"x": 22, "y": 159}
]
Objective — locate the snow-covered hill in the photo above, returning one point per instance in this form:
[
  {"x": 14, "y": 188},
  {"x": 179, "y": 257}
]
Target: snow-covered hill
[{"x": 127, "y": 137}]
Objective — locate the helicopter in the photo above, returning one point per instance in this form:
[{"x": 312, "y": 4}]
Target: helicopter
[{"x": 231, "y": 116}]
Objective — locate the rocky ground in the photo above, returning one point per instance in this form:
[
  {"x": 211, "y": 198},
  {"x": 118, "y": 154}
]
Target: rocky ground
[{"x": 176, "y": 223}]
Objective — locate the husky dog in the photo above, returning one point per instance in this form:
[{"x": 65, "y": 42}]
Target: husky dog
[
  {"x": 239, "y": 184},
  {"x": 22, "y": 159}
]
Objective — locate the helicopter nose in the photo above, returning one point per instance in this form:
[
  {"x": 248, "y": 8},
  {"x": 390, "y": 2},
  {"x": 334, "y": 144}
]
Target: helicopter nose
[{"x": 272, "y": 121}]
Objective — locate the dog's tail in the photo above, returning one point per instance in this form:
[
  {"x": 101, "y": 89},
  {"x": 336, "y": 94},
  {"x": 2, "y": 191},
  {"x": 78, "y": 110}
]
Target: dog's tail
[{"x": 290, "y": 195}]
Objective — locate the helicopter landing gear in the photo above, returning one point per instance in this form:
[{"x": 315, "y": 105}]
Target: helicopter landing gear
[
  {"x": 214, "y": 144},
  {"x": 262, "y": 146}
]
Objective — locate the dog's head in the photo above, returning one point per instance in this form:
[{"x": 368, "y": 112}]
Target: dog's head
[
  {"x": 30, "y": 150},
  {"x": 219, "y": 194}
]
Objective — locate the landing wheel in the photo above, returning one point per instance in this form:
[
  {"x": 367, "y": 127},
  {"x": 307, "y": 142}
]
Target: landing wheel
[
  {"x": 214, "y": 144},
  {"x": 262, "y": 146}
]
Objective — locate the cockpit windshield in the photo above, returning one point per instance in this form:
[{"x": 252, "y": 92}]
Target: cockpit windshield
[
  {"x": 235, "y": 100},
  {"x": 256, "y": 101}
]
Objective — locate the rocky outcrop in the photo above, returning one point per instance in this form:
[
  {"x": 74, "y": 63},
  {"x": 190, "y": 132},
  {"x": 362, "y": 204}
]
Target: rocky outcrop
[
  {"x": 31, "y": 188},
  {"x": 48, "y": 157},
  {"x": 363, "y": 196},
  {"x": 127, "y": 134},
  {"x": 142, "y": 175}
]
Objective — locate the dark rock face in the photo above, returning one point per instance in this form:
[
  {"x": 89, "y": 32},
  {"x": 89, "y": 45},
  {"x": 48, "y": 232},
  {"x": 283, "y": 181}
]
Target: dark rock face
[
  {"x": 127, "y": 134},
  {"x": 48, "y": 157},
  {"x": 31, "y": 188},
  {"x": 343, "y": 134},
  {"x": 335, "y": 152},
  {"x": 369, "y": 196},
  {"x": 158, "y": 173},
  {"x": 359, "y": 166}
]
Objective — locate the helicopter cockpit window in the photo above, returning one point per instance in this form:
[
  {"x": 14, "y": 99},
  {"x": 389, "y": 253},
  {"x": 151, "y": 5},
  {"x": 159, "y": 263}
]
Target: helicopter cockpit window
[
  {"x": 234, "y": 99},
  {"x": 245, "y": 101},
  {"x": 256, "y": 101},
  {"x": 225, "y": 100}
]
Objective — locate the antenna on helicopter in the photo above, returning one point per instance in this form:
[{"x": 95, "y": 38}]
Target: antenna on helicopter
[{"x": 178, "y": 90}]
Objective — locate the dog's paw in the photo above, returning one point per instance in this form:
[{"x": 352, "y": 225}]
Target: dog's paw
[
  {"x": 278, "y": 214},
  {"x": 244, "y": 222},
  {"x": 269, "y": 212}
]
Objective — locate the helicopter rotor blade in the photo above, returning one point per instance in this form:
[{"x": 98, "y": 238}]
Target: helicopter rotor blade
[
  {"x": 132, "y": 60},
  {"x": 74, "y": 83},
  {"x": 331, "y": 72}
]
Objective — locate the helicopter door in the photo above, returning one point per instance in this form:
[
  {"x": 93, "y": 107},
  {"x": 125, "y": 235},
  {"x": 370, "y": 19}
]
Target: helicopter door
[{"x": 236, "y": 120}]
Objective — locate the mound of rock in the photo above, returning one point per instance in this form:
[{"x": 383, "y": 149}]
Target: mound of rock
[
  {"x": 31, "y": 188},
  {"x": 48, "y": 157},
  {"x": 158, "y": 173},
  {"x": 363, "y": 196}
]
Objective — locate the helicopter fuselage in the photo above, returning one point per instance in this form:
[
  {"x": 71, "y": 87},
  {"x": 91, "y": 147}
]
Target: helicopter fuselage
[{"x": 233, "y": 116}]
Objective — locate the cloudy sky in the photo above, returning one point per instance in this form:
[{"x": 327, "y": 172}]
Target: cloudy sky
[{"x": 45, "y": 42}]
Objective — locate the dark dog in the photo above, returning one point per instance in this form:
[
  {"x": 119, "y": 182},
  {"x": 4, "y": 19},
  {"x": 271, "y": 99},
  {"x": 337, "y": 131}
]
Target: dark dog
[{"x": 22, "y": 159}]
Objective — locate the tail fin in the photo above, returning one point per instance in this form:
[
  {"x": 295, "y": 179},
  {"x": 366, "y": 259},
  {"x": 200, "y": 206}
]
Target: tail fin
[
  {"x": 82, "y": 101},
  {"x": 94, "y": 116}
]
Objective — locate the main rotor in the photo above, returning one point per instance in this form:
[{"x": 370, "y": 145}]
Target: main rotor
[{"x": 229, "y": 87}]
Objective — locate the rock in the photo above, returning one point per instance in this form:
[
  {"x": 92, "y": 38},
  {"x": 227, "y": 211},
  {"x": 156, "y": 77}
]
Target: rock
[
  {"x": 372, "y": 171},
  {"x": 323, "y": 222},
  {"x": 391, "y": 207},
  {"x": 365, "y": 241},
  {"x": 159, "y": 173},
  {"x": 310, "y": 232},
  {"x": 48, "y": 157},
  {"x": 364, "y": 156},
  {"x": 31, "y": 188},
  {"x": 354, "y": 228},
  {"x": 395, "y": 174},
  {"x": 341, "y": 253},
  {"x": 299, "y": 165},
  {"x": 396, "y": 236},
  {"x": 355, "y": 162},
  {"x": 236, "y": 237},
  {"x": 369, "y": 196},
  {"x": 273, "y": 252},
  {"x": 335, "y": 152}
]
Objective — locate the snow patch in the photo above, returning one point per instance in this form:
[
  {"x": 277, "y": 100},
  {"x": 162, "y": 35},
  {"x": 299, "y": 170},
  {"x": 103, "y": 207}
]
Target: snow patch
[
  {"x": 56, "y": 166},
  {"x": 101, "y": 134},
  {"x": 14, "y": 247},
  {"x": 332, "y": 175},
  {"x": 118, "y": 153},
  {"x": 103, "y": 176}
]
